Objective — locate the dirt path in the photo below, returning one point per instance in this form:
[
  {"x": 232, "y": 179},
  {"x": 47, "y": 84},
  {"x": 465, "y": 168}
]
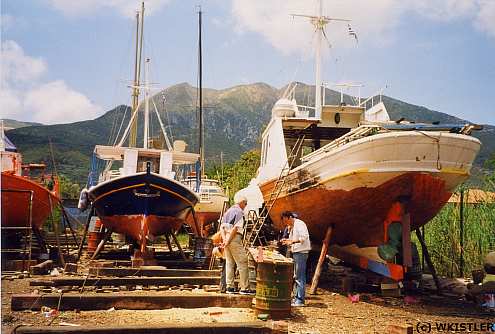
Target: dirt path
[{"x": 327, "y": 312}]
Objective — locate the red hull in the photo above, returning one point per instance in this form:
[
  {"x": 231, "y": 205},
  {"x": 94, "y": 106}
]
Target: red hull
[
  {"x": 139, "y": 226},
  {"x": 15, "y": 205},
  {"x": 358, "y": 215}
]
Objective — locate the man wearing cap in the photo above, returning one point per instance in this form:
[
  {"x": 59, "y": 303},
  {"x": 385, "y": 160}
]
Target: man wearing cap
[
  {"x": 300, "y": 245},
  {"x": 232, "y": 229}
]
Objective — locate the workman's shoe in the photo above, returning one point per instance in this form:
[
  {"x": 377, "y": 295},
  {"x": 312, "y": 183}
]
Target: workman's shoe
[
  {"x": 247, "y": 292},
  {"x": 231, "y": 291}
]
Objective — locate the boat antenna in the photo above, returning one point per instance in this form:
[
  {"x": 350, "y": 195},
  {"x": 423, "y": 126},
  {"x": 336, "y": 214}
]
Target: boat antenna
[
  {"x": 137, "y": 73},
  {"x": 200, "y": 94},
  {"x": 319, "y": 21}
]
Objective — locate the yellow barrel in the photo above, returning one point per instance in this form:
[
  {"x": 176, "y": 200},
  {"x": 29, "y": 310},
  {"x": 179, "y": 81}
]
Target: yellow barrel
[{"x": 274, "y": 289}]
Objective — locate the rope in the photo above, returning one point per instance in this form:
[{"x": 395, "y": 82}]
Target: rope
[{"x": 437, "y": 140}]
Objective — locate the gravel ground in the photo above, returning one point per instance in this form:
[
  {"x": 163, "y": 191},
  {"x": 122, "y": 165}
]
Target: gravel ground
[{"x": 326, "y": 312}]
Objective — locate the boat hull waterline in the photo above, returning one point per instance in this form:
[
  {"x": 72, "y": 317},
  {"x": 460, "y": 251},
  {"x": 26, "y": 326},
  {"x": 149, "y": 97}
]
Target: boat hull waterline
[
  {"x": 142, "y": 206},
  {"x": 354, "y": 187}
]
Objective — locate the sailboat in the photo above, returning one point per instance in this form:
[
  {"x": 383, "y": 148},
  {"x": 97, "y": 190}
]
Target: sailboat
[
  {"x": 141, "y": 199},
  {"x": 211, "y": 195},
  {"x": 28, "y": 195},
  {"x": 350, "y": 168}
]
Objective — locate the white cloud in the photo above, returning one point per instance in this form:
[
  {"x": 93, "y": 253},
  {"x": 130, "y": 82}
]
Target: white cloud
[
  {"x": 485, "y": 19},
  {"x": 126, "y": 8},
  {"x": 54, "y": 101},
  {"x": 17, "y": 67},
  {"x": 24, "y": 95},
  {"x": 377, "y": 19}
]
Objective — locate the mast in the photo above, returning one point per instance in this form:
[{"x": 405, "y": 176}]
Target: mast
[
  {"x": 200, "y": 69},
  {"x": 146, "y": 102},
  {"x": 318, "y": 82},
  {"x": 137, "y": 74},
  {"x": 319, "y": 22}
]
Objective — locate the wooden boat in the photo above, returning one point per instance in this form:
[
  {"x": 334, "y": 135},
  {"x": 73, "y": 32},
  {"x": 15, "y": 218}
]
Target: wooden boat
[
  {"x": 350, "y": 167},
  {"x": 28, "y": 195},
  {"x": 141, "y": 199}
]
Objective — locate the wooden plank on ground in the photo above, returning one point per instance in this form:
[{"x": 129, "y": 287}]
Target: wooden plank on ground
[
  {"x": 128, "y": 301},
  {"x": 121, "y": 272},
  {"x": 42, "y": 268},
  {"x": 119, "y": 281},
  {"x": 210, "y": 328}
]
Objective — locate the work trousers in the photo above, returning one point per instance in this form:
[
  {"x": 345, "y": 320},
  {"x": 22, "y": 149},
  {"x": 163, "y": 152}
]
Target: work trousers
[
  {"x": 235, "y": 254},
  {"x": 300, "y": 260}
]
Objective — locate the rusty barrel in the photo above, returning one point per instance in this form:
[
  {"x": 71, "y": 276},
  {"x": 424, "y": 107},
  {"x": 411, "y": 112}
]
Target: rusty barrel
[
  {"x": 202, "y": 252},
  {"x": 274, "y": 289},
  {"x": 94, "y": 236}
]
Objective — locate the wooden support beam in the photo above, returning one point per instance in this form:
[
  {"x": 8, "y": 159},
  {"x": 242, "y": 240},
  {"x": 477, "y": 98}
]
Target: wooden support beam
[
  {"x": 126, "y": 301},
  {"x": 428, "y": 259},
  {"x": 321, "y": 260},
  {"x": 120, "y": 272},
  {"x": 80, "y": 281},
  {"x": 42, "y": 268},
  {"x": 190, "y": 328},
  {"x": 406, "y": 240}
]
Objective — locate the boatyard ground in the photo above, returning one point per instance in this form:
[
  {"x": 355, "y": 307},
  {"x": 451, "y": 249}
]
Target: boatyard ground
[{"x": 327, "y": 312}]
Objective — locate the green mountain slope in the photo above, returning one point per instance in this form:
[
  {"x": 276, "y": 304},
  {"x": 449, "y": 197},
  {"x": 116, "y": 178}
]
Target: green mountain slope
[
  {"x": 13, "y": 124},
  {"x": 234, "y": 119}
]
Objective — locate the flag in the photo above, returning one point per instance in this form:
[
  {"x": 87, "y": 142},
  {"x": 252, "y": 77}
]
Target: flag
[{"x": 352, "y": 32}]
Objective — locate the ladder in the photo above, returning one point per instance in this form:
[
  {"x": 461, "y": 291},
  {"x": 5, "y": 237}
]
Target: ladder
[{"x": 254, "y": 226}]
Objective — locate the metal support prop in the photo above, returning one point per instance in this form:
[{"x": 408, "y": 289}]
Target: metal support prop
[
  {"x": 86, "y": 227},
  {"x": 178, "y": 246},
  {"x": 102, "y": 243},
  {"x": 428, "y": 259},
  {"x": 321, "y": 260},
  {"x": 57, "y": 232},
  {"x": 169, "y": 244}
]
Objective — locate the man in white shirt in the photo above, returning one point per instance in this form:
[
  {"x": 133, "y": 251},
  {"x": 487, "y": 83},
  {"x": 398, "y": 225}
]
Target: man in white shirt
[
  {"x": 232, "y": 229},
  {"x": 300, "y": 247}
]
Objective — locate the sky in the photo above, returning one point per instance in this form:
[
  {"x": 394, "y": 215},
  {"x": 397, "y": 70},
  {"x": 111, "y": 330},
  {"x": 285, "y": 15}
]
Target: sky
[{"x": 64, "y": 61}]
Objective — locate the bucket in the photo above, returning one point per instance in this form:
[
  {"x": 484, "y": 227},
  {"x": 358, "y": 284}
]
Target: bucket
[
  {"x": 202, "y": 252},
  {"x": 274, "y": 289},
  {"x": 94, "y": 239}
]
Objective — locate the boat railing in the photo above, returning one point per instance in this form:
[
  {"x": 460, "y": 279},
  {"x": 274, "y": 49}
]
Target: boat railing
[
  {"x": 374, "y": 99},
  {"x": 357, "y": 133}
]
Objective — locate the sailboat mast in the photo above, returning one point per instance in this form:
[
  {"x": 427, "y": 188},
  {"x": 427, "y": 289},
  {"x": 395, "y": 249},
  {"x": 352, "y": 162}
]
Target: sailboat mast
[
  {"x": 146, "y": 103},
  {"x": 137, "y": 74},
  {"x": 200, "y": 65}
]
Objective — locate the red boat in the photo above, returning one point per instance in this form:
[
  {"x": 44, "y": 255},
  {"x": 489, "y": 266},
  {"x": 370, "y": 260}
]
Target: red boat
[{"x": 28, "y": 195}]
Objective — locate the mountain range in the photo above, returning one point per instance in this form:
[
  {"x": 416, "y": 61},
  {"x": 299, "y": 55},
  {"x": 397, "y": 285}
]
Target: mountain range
[{"x": 234, "y": 118}]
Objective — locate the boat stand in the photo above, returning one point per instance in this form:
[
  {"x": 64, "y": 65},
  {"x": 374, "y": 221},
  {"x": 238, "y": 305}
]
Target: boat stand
[
  {"x": 321, "y": 260},
  {"x": 85, "y": 233},
  {"x": 108, "y": 234},
  {"x": 428, "y": 260}
]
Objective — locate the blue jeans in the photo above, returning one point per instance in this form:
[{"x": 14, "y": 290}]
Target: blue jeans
[{"x": 300, "y": 260}]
